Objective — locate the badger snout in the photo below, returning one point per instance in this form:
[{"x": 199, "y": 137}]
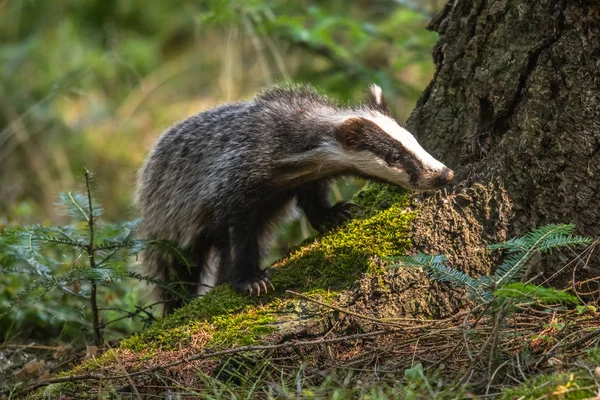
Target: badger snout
[{"x": 445, "y": 177}]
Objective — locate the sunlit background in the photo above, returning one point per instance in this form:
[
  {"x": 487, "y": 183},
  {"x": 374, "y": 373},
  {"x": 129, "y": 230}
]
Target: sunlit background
[{"x": 94, "y": 83}]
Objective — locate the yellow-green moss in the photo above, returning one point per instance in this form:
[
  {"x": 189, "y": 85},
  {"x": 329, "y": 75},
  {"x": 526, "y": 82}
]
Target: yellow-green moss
[
  {"x": 91, "y": 364},
  {"x": 177, "y": 329},
  {"x": 81, "y": 389},
  {"x": 240, "y": 329},
  {"x": 376, "y": 197},
  {"x": 338, "y": 258}
]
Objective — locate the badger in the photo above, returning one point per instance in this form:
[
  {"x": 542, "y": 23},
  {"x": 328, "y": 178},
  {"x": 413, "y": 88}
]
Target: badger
[{"x": 215, "y": 183}]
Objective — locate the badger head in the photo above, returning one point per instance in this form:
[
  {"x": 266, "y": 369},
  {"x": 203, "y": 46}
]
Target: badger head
[{"x": 376, "y": 146}]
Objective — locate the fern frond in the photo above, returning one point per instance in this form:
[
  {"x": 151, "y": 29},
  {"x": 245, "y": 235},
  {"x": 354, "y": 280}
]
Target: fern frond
[
  {"x": 536, "y": 235},
  {"x": 513, "y": 267},
  {"x": 437, "y": 269},
  {"x": 512, "y": 245},
  {"x": 419, "y": 260},
  {"x": 445, "y": 273},
  {"x": 528, "y": 292},
  {"x": 559, "y": 240},
  {"x": 483, "y": 287}
]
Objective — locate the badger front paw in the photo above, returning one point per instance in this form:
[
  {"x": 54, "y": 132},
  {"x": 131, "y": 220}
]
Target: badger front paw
[
  {"x": 335, "y": 216},
  {"x": 256, "y": 286}
]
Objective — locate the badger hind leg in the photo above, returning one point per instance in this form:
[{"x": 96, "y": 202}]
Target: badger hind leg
[
  {"x": 179, "y": 281},
  {"x": 240, "y": 259},
  {"x": 312, "y": 198},
  {"x": 162, "y": 266},
  {"x": 209, "y": 274}
]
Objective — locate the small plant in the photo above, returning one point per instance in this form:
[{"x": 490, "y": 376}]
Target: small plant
[
  {"x": 73, "y": 259},
  {"x": 504, "y": 283}
]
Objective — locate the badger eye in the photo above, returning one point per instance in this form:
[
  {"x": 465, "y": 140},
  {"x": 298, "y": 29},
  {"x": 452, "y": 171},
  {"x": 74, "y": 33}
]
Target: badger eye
[
  {"x": 393, "y": 158},
  {"x": 389, "y": 158}
]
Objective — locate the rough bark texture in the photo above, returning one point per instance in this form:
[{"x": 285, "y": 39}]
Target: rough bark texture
[{"x": 515, "y": 104}]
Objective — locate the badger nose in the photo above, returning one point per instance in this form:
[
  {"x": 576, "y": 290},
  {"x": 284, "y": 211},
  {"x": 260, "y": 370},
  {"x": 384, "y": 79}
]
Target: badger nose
[{"x": 445, "y": 177}]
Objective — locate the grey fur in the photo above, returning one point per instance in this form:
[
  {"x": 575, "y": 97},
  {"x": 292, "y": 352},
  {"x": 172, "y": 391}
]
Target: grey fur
[{"x": 242, "y": 164}]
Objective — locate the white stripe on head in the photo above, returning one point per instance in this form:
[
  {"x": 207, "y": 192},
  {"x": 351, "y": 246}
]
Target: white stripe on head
[{"x": 391, "y": 127}]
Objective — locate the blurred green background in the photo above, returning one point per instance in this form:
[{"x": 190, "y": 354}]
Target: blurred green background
[{"x": 93, "y": 83}]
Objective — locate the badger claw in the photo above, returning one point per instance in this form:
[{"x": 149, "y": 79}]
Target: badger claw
[
  {"x": 252, "y": 287},
  {"x": 264, "y": 285},
  {"x": 256, "y": 286}
]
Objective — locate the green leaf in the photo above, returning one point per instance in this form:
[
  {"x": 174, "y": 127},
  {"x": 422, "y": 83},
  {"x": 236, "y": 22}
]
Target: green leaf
[
  {"x": 585, "y": 308},
  {"x": 415, "y": 372}
]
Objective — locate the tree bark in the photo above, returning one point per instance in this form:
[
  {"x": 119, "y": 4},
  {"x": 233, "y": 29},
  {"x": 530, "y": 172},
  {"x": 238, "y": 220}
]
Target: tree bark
[{"x": 514, "y": 109}]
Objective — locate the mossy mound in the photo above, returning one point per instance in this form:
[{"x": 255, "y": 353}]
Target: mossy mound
[{"x": 325, "y": 265}]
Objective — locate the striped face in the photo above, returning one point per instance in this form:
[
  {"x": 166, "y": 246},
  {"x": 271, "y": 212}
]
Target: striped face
[{"x": 376, "y": 146}]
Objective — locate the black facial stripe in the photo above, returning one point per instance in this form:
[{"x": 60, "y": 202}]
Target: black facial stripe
[{"x": 372, "y": 138}]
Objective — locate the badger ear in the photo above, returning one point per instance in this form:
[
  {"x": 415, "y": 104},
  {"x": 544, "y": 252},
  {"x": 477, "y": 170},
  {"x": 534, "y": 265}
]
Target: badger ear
[
  {"x": 376, "y": 99},
  {"x": 349, "y": 132}
]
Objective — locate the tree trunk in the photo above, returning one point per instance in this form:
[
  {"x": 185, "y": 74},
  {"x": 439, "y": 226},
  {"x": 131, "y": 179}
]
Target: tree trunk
[{"x": 514, "y": 108}]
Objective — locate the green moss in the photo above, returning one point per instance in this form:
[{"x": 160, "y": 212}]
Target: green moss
[
  {"x": 241, "y": 329},
  {"x": 92, "y": 364},
  {"x": 54, "y": 391},
  {"x": 63, "y": 390},
  {"x": 337, "y": 259},
  {"x": 226, "y": 316},
  {"x": 566, "y": 386},
  {"x": 376, "y": 197},
  {"x": 177, "y": 329},
  {"x": 222, "y": 300}
]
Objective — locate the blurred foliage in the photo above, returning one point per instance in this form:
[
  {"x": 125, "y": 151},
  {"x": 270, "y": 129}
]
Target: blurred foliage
[
  {"x": 93, "y": 83},
  {"x": 58, "y": 271}
]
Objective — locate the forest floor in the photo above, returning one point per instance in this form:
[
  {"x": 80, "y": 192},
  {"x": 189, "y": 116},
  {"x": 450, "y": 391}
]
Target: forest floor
[{"x": 345, "y": 322}]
